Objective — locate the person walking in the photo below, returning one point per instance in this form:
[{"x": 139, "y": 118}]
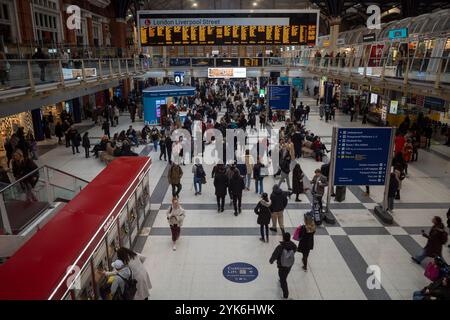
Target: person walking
[
  {"x": 284, "y": 254},
  {"x": 262, "y": 209},
  {"x": 135, "y": 262},
  {"x": 236, "y": 186},
  {"x": 86, "y": 144},
  {"x": 279, "y": 201},
  {"x": 322, "y": 108},
  {"x": 249, "y": 166},
  {"x": 199, "y": 176},
  {"x": 297, "y": 182},
  {"x": 59, "y": 132},
  {"x": 259, "y": 178},
  {"x": 306, "y": 239},
  {"x": 105, "y": 128},
  {"x": 319, "y": 182},
  {"x": 175, "y": 217},
  {"x": 75, "y": 139},
  {"x": 220, "y": 186},
  {"x": 162, "y": 148},
  {"x": 174, "y": 177},
  {"x": 285, "y": 166},
  {"x": 392, "y": 191},
  {"x": 437, "y": 238},
  {"x": 21, "y": 167},
  {"x": 169, "y": 144}
]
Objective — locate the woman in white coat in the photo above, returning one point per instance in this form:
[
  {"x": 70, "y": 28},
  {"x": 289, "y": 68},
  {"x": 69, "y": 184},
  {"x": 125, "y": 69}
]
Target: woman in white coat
[
  {"x": 135, "y": 262},
  {"x": 175, "y": 217}
]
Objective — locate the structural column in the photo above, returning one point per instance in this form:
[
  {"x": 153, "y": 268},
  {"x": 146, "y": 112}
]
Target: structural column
[{"x": 335, "y": 24}]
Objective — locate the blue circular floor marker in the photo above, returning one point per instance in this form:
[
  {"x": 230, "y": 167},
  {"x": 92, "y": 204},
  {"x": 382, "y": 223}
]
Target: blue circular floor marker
[{"x": 240, "y": 272}]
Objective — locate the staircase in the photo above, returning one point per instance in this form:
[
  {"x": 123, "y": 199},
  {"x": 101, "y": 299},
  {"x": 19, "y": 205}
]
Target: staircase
[{"x": 24, "y": 213}]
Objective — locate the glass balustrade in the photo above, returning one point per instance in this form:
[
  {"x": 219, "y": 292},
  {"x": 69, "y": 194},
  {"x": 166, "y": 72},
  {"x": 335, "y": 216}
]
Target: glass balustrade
[{"x": 25, "y": 200}]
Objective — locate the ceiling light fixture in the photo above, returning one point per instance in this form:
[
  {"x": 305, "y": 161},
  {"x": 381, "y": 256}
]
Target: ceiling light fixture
[
  {"x": 255, "y": 4},
  {"x": 194, "y": 4}
]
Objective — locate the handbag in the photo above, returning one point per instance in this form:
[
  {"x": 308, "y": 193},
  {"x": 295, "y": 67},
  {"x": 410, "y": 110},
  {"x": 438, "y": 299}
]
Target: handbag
[
  {"x": 203, "y": 179},
  {"x": 297, "y": 233}
]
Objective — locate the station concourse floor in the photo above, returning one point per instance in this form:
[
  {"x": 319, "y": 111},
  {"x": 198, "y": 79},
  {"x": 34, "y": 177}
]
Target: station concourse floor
[{"x": 337, "y": 267}]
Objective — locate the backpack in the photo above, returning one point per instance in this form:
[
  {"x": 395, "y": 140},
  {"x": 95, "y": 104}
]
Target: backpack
[
  {"x": 200, "y": 172},
  {"x": 287, "y": 258},
  {"x": 129, "y": 289}
]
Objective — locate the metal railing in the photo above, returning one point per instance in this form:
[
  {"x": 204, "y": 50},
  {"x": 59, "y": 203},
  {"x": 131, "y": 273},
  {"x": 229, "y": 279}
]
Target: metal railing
[
  {"x": 23, "y": 201},
  {"x": 54, "y": 73}
]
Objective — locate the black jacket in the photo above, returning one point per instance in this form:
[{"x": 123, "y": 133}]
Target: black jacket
[
  {"x": 279, "y": 200},
  {"x": 306, "y": 241},
  {"x": 220, "y": 182},
  {"x": 236, "y": 185},
  {"x": 393, "y": 187},
  {"x": 276, "y": 255},
  {"x": 86, "y": 142},
  {"x": 262, "y": 209},
  {"x": 285, "y": 166}
]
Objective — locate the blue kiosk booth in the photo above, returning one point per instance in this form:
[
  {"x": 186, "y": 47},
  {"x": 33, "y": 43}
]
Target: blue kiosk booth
[{"x": 154, "y": 97}]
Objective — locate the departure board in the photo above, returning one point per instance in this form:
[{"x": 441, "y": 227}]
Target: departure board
[{"x": 207, "y": 28}]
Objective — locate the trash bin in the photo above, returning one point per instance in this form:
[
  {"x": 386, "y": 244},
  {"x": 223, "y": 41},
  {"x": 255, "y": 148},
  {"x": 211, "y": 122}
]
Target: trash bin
[{"x": 340, "y": 193}]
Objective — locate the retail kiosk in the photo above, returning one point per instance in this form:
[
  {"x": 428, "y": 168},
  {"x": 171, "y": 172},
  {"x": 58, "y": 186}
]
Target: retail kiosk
[
  {"x": 158, "y": 97},
  {"x": 64, "y": 259}
]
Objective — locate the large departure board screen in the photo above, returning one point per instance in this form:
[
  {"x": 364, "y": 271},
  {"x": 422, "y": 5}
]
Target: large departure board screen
[{"x": 239, "y": 27}]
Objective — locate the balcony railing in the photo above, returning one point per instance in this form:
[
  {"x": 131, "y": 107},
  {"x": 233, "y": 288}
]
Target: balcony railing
[
  {"x": 39, "y": 75},
  {"x": 23, "y": 201}
]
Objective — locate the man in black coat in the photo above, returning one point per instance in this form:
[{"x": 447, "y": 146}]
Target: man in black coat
[
  {"x": 237, "y": 185},
  {"x": 220, "y": 184},
  {"x": 297, "y": 140}
]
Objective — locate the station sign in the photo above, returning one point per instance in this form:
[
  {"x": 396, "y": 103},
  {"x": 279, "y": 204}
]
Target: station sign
[
  {"x": 371, "y": 37},
  {"x": 234, "y": 27},
  {"x": 280, "y": 97},
  {"x": 398, "y": 33},
  {"x": 362, "y": 156},
  {"x": 240, "y": 272},
  {"x": 251, "y": 62},
  {"x": 178, "y": 77},
  {"x": 227, "y": 73}
]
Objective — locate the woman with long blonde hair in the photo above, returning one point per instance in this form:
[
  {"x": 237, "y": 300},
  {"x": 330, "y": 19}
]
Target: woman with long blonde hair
[{"x": 306, "y": 239}]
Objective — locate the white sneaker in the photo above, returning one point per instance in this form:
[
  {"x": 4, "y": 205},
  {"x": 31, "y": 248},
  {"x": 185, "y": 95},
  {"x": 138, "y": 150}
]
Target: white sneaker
[{"x": 174, "y": 248}]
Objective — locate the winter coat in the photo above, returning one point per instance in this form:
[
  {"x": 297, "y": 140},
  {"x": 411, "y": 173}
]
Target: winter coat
[
  {"x": 285, "y": 166},
  {"x": 278, "y": 200},
  {"x": 86, "y": 142},
  {"x": 321, "y": 184},
  {"x": 257, "y": 171},
  {"x": 393, "y": 187},
  {"x": 276, "y": 255},
  {"x": 175, "y": 174},
  {"x": 236, "y": 185},
  {"x": 175, "y": 216},
  {"x": 220, "y": 182},
  {"x": 435, "y": 241},
  {"x": 262, "y": 209},
  {"x": 306, "y": 240},
  {"x": 297, "y": 181},
  {"x": 140, "y": 274}
]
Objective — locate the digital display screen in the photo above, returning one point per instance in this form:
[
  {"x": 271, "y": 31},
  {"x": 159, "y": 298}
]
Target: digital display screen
[
  {"x": 227, "y": 73},
  {"x": 258, "y": 28}
]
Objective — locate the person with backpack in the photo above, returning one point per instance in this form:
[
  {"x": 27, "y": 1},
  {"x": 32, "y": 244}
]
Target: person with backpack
[
  {"x": 220, "y": 185},
  {"x": 259, "y": 178},
  {"x": 436, "y": 239},
  {"x": 262, "y": 209},
  {"x": 175, "y": 217},
  {"x": 174, "y": 177},
  {"x": 122, "y": 285},
  {"x": 135, "y": 262},
  {"x": 279, "y": 201},
  {"x": 318, "y": 184},
  {"x": 306, "y": 239},
  {"x": 199, "y": 176},
  {"x": 284, "y": 254}
]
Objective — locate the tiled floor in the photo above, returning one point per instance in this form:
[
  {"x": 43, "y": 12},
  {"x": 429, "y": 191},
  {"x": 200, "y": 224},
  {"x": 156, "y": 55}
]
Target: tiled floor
[{"x": 338, "y": 265}]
